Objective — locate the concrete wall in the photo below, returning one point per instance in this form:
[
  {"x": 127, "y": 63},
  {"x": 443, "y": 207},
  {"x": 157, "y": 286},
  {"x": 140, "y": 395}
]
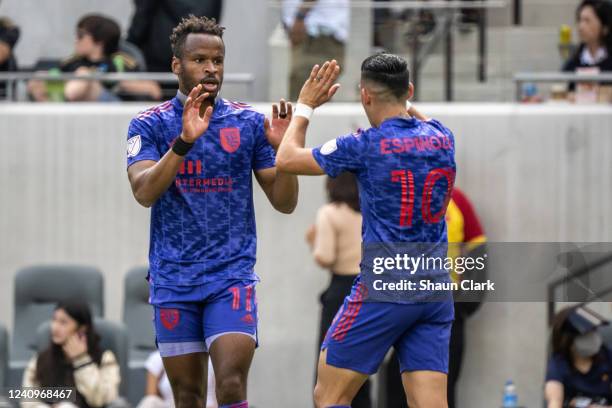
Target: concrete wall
[{"x": 534, "y": 173}]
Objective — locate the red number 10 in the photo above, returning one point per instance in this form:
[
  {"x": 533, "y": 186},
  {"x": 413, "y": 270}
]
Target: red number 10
[{"x": 406, "y": 179}]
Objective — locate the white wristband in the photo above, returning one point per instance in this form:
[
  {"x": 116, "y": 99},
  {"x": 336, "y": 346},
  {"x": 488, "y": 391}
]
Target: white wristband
[{"x": 303, "y": 110}]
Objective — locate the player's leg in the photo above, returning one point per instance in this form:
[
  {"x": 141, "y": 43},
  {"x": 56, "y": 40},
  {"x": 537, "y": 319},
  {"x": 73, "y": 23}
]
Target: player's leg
[
  {"x": 230, "y": 327},
  {"x": 336, "y": 387},
  {"x": 231, "y": 356},
  {"x": 187, "y": 376},
  {"x": 425, "y": 389},
  {"x": 180, "y": 340},
  {"x": 355, "y": 345},
  {"x": 423, "y": 356}
]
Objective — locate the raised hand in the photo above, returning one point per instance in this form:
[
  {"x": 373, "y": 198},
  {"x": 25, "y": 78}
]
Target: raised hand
[
  {"x": 320, "y": 86},
  {"x": 280, "y": 122},
  {"x": 195, "y": 122},
  {"x": 75, "y": 346}
]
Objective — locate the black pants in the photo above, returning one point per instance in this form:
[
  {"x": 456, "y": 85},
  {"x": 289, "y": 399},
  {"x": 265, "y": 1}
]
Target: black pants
[
  {"x": 331, "y": 300},
  {"x": 396, "y": 397}
]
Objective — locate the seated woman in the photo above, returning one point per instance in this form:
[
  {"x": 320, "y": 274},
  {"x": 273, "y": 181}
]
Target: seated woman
[
  {"x": 594, "y": 19},
  {"x": 74, "y": 359},
  {"x": 579, "y": 373}
]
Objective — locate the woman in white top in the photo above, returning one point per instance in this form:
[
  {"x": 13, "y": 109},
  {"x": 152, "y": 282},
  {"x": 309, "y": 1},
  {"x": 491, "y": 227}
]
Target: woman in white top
[
  {"x": 158, "y": 393},
  {"x": 335, "y": 240},
  {"x": 74, "y": 359}
]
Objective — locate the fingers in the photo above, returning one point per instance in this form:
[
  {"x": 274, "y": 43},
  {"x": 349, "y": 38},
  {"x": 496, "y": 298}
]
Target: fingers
[
  {"x": 332, "y": 91},
  {"x": 283, "y": 109},
  {"x": 207, "y": 114},
  {"x": 200, "y": 99},
  {"x": 289, "y": 111},
  {"x": 266, "y": 125},
  {"x": 274, "y": 111},
  {"x": 313, "y": 72}
]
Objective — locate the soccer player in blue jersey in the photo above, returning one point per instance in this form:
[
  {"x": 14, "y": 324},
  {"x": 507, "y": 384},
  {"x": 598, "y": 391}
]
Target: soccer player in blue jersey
[
  {"x": 191, "y": 159},
  {"x": 405, "y": 167}
]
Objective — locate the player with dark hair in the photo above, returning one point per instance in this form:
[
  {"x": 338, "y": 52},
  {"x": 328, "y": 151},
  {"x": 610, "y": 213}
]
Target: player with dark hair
[
  {"x": 191, "y": 159},
  {"x": 405, "y": 169}
]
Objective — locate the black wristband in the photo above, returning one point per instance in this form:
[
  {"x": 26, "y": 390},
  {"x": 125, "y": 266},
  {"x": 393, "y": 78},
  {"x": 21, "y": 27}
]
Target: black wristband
[{"x": 181, "y": 147}]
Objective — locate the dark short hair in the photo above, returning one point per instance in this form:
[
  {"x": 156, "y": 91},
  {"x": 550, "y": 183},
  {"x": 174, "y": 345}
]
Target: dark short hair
[
  {"x": 603, "y": 11},
  {"x": 103, "y": 30},
  {"x": 389, "y": 70},
  {"x": 344, "y": 189},
  {"x": 193, "y": 25}
]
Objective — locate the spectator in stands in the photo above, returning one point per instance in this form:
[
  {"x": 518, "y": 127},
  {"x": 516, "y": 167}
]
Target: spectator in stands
[
  {"x": 97, "y": 50},
  {"x": 153, "y": 22},
  {"x": 74, "y": 359},
  {"x": 466, "y": 238},
  {"x": 158, "y": 393},
  {"x": 595, "y": 30},
  {"x": 318, "y": 31},
  {"x": 9, "y": 34},
  {"x": 579, "y": 371},
  {"x": 335, "y": 240}
]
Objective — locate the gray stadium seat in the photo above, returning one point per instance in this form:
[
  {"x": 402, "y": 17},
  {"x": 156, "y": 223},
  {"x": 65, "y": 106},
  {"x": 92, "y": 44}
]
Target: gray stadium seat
[
  {"x": 113, "y": 336},
  {"x": 3, "y": 356},
  {"x": 37, "y": 290},
  {"x": 137, "y": 315}
]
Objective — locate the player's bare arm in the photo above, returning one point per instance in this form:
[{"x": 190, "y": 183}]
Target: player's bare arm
[
  {"x": 150, "y": 179},
  {"x": 280, "y": 188},
  {"x": 318, "y": 89}
]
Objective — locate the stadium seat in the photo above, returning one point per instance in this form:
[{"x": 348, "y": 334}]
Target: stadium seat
[
  {"x": 137, "y": 315},
  {"x": 134, "y": 52},
  {"x": 113, "y": 336},
  {"x": 3, "y": 356},
  {"x": 37, "y": 290}
]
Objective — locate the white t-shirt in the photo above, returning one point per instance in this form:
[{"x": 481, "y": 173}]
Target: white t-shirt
[
  {"x": 155, "y": 366},
  {"x": 325, "y": 17}
]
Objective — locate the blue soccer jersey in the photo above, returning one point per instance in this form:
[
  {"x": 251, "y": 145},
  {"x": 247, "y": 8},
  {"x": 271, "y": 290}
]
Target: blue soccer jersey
[
  {"x": 406, "y": 170},
  {"x": 203, "y": 226}
]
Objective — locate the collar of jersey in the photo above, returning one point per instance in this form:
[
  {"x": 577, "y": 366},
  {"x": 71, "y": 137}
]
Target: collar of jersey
[
  {"x": 398, "y": 120},
  {"x": 178, "y": 103}
]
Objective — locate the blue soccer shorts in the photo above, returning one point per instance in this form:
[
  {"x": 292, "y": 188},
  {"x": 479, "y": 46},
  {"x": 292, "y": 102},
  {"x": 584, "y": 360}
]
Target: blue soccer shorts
[
  {"x": 188, "y": 319},
  {"x": 363, "y": 332}
]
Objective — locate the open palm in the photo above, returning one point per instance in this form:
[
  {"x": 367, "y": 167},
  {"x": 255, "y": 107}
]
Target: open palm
[
  {"x": 195, "y": 122},
  {"x": 275, "y": 130}
]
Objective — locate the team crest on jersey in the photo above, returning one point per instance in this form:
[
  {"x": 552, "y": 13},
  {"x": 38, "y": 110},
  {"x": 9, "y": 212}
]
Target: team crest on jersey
[
  {"x": 230, "y": 139},
  {"x": 133, "y": 146},
  {"x": 169, "y": 318}
]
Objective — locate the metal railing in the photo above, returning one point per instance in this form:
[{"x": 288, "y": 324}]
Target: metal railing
[
  {"x": 13, "y": 78},
  {"x": 574, "y": 275},
  {"x": 450, "y": 10},
  {"x": 523, "y": 77}
]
